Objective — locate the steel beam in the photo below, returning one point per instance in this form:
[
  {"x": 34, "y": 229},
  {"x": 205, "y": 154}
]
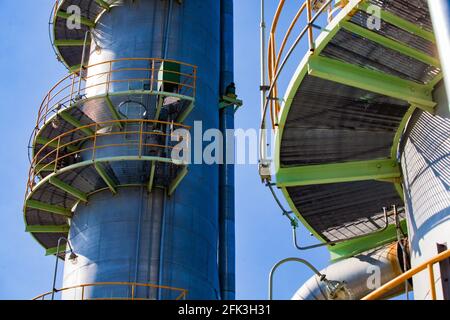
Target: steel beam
[
  {"x": 109, "y": 182},
  {"x": 69, "y": 189},
  {"x": 83, "y": 20},
  {"x": 338, "y": 172},
  {"x": 399, "y": 22},
  {"x": 68, "y": 43},
  {"x": 48, "y": 229},
  {"x": 77, "y": 124},
  {"x": 152, "y": 177},
  {"x": 42, "y": 167},
  {"x": 371, "y": 80},
  {"x": 54, "y": 144},
  {"x": 176, "y": 182},
  {"x": 184, "y": 114},
  {"x": 159, "y": 106},
  {"x": 113, "y": 111},
  {"x": 103, "y": 4},
  {"x": 33, "y": 204},
  {"x": 391, "y": 44}
]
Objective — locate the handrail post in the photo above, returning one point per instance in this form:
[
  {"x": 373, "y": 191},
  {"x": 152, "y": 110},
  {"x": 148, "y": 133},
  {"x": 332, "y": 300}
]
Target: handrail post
[
  {"x": 310, "y": 31},
  {"x": 141, "y": 129},
  {"x": 133, "y": 288},
  {"x": 152, "y": 80},
  {"x": 432, "y": 282},
  {"x": 46, "y": 106},
  {"x": 94, "y": 150},
  {"x": 72, "y": 87},
  {"x": 108, "y": 78},
  {"x": 82, "y": 293},
  {"x": 57, "y": 154}
]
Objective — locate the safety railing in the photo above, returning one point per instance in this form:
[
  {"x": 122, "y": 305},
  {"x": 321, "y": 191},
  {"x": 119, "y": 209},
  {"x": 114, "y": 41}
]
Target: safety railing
[
  {"x": 428, "y": 265},
  {"x": 81, "y": 291},
  {"x": 313, "y": 10},
  {"x": 134, "y": 74},
  {"x": 136, "y": 138}
]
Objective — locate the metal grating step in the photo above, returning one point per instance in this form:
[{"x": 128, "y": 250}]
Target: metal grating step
[
  {"x": 342, "y": 210},
  {"x": 354, "y": 49},
  {"x": 330, "y": 122}
]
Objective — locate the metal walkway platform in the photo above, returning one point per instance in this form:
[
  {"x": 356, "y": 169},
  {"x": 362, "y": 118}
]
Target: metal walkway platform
[
  {"x": 68, "y": 42},
  {"x": 103, "y": 129},
  {"x": 341, "y": 120}
]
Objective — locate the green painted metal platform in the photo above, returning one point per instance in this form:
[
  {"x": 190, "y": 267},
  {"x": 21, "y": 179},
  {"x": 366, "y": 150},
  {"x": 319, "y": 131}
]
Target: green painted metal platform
[{"x": 343, "y": 116}]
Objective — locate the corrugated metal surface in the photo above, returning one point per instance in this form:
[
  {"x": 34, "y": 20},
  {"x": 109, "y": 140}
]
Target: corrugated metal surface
[
  {"x": 354, "y": 49},
  {"x": 339, "y": 211},
  {"x": 90, "y": 10},
  {"x": 395, "y": 33},
  {"x": 330, "y": 122},
  {"x": 425, "y": 156},
  {"x": 415, "y": 11}
]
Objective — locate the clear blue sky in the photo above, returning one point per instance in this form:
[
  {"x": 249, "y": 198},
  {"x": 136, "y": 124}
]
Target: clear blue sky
[{"x": 29, "y": 69}]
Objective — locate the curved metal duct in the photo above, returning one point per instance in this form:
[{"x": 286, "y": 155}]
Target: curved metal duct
[{"x": 360, "y": 275}]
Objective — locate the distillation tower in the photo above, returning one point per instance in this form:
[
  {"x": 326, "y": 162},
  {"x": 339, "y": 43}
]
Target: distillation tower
[
  {"x": 362, "y": 148},
  {"x": 142, "y": 224}
]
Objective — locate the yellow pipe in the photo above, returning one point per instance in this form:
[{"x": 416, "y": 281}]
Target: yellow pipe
[{"x": 407, "y": 275}]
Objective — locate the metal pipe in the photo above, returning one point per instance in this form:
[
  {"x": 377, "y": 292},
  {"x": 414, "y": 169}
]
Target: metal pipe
[
  {"x": 56, "y": 264},
  {"x": 161, "y": 245},
  {"x": 362, "y": 274},
  {"x": 407, "y": 275},
  {"x": 286, "y": 213},
  {"x": 138, "y": 235},
  {"x": 263, "y": 87},
  {"x": 293, "y": 259},
  {"x": 83, "y": 57},
  {"x": 294, "y": 235},
  {"x": 167, "y": 30},
  {"x": 294, "y": 225},
  {"x": 226, "y": 170}
]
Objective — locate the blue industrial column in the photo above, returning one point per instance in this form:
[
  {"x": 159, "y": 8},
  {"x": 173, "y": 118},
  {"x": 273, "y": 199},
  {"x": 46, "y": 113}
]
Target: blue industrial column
[
  {"x": 136, "y": 236},
  {"x": 226, "y": 177}
]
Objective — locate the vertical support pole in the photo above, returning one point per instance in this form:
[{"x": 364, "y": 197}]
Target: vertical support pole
[
  {"x": 83, "y": 56},
  {"x": 432, "y": 281},
  {"x": 226, "y": 170},
  {"x": 141, "y": 133},
  {"x": 57, "y": 154},
  {"x": 310, "y": 31},
  {"x": 152, "y": 80},
  {"x": 72, "y": 86},
  {"x": 108, "y": 79},
  {"x": 46, "y": 106},
  {"x": 94, "y": 147}
]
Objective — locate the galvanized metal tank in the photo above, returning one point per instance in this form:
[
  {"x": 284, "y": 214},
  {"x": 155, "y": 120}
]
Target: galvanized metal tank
[{"x": 134, "y": 236}]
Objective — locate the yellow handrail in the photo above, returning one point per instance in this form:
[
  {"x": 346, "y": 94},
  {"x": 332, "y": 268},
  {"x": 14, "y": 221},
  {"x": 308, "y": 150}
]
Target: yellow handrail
[
  {"x": 56, "y": 149},
  {"x": 132, "y": 285},
  {"x": 409, "y": 274},
  {"x": 275, "y": 56},
  {"x": 65, "y": 90}
]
